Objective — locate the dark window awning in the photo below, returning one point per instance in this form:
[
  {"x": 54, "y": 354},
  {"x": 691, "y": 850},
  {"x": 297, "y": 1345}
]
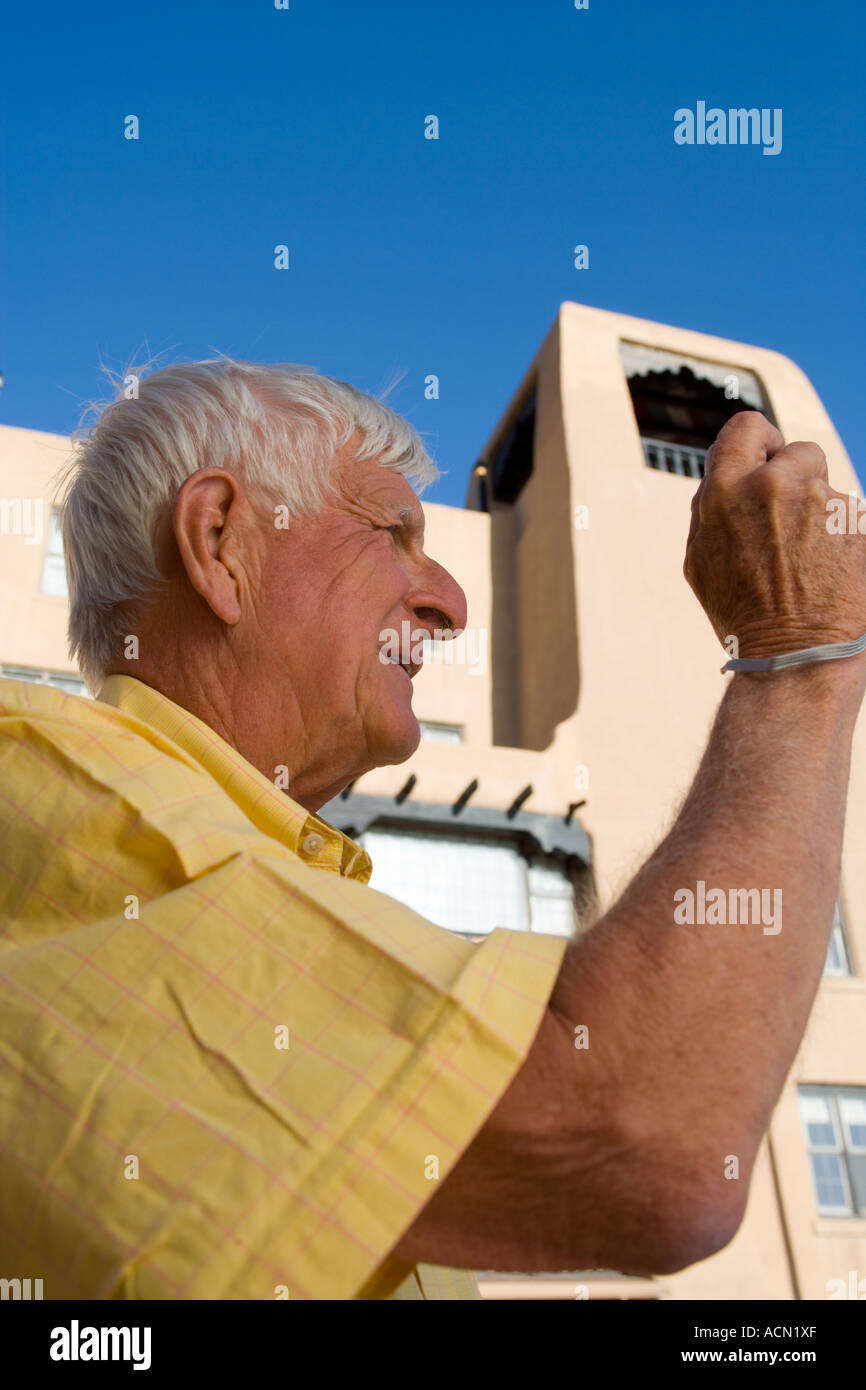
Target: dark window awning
[
  {"x": 641, "y": 361},
  {"x": 549, "y": 834}
]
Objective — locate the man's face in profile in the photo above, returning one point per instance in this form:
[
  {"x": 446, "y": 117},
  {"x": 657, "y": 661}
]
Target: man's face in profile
[{"x": 333, "y": 586}]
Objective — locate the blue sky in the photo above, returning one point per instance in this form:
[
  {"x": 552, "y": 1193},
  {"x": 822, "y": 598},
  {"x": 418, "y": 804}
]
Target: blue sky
[{"x": 410, "y": 256}]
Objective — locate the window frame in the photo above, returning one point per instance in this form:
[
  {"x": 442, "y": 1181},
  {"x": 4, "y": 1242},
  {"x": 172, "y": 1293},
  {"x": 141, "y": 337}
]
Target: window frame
[
  {"x": 839, "y": 935},
  {"x": 840, "y": 1150},
  {"x": 54, "y": 532}
]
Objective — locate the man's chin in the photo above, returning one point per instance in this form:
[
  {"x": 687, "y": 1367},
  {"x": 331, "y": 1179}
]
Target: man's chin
[{"x": 398, "y": 742}]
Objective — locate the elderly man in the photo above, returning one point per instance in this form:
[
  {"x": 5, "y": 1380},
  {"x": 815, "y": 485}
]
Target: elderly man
[{"x": 233, "y": 1069}]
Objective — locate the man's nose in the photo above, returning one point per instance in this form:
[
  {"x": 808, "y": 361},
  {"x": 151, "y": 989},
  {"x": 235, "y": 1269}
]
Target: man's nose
[{"x": 441, "y": 604}]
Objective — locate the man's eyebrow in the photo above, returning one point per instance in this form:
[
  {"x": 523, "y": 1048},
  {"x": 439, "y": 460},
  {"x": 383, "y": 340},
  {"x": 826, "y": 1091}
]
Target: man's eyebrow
[{"x": 411, "y": 516}]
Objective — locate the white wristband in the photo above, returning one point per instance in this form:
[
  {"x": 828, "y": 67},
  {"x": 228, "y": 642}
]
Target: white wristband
[{"x": 831, "y": 652}]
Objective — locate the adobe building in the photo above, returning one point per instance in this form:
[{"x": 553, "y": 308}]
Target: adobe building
[{"x": 561, "y": 732}]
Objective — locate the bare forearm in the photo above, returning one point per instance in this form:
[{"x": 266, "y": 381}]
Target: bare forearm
[{"x": 698, "y": 1024}]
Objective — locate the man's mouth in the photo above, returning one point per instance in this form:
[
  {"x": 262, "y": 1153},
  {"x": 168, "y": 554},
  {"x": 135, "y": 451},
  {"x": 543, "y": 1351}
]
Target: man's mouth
[
  {"x": 403, "y": 648},
  {"x": 387, "y": 658},
  {"x": 406, "y": 666}
]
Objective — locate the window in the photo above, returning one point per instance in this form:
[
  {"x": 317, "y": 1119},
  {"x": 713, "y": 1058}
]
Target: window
[
  {"x": 834, "y": 1128},
  {"x": 441, "y": 733},
  {"x": 61, "y": 680},
  {"x": 54, "y": 565},
  {"x": 511, "y": 465},
  {"x": 838, "y": 961},
  {"x": 674, "y": 458},
  {"x": 680, "y": 404},
  {"x": 471, "y": 884},
  {"x": 551, "y": 898}
]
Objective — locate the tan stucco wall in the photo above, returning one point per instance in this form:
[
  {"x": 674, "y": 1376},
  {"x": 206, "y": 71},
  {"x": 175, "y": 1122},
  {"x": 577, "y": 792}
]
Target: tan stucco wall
[
  {"x": 32, "y": 624},
  {"x": 649, "y": 684}
]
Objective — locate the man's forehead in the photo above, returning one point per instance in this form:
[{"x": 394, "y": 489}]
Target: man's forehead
[{"x": 366, "y": 481}]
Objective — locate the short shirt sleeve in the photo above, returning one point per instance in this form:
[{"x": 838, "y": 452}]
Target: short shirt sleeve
[{"x": 226, "y": 1074}]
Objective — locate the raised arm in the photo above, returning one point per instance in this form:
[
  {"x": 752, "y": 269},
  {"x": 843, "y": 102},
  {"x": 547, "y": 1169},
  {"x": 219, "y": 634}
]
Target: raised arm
[{"x": 615, "y": 1155}]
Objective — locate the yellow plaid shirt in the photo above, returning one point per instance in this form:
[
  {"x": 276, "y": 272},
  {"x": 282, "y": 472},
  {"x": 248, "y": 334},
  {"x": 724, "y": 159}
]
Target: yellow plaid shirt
[{"x": 229, "y": 1068}]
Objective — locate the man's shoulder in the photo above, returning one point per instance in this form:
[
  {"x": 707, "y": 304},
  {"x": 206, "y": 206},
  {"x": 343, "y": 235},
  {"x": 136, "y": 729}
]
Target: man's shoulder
[
  {"x": 37, "y": 710},
  {"x": 30, "y": 703},
  {"x": 93, "y": 750},
  {"x": 33, "y": 697},
  {"x": 96, "y": 789}
]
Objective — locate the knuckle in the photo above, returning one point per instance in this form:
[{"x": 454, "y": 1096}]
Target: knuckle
[
  {"x": 720, "y": 489},
  {"x": 770, "y": 481},
  {"x": 806, "y": 449},
  {"x": 817, "y": 492},
  {"x": 766, "y": 482},
  {"x": 747, "y": 420}
]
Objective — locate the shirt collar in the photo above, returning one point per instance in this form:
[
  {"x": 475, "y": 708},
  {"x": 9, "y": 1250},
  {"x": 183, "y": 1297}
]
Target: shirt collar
[{"x": 271, "y": 810}]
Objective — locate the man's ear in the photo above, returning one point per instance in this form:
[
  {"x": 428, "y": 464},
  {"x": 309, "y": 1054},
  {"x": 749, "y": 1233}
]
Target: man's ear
[{"x": 207, "y": 521}]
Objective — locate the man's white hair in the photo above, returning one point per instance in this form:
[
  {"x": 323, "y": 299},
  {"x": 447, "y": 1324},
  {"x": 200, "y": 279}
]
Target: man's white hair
[{"x": 276, "y": 427}]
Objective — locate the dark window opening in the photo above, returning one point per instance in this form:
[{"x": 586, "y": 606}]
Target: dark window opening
[
  {"x": 681, "y": 404},
  {"x": 511, "y": 465}
]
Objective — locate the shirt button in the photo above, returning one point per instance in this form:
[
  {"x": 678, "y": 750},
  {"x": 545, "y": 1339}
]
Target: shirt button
[{"x": 313, "y": 844}]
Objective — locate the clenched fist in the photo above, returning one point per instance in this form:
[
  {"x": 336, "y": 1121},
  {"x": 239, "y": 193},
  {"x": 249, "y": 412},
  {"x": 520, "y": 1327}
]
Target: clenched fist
[{"x": 759, "y": 555}]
